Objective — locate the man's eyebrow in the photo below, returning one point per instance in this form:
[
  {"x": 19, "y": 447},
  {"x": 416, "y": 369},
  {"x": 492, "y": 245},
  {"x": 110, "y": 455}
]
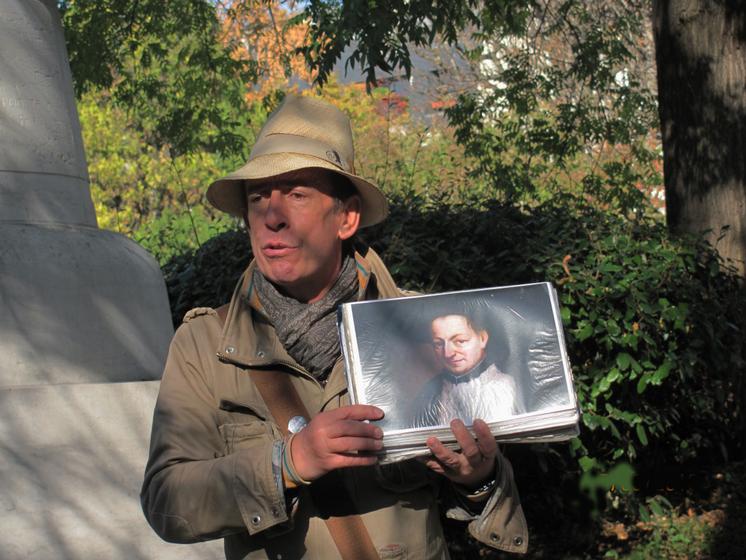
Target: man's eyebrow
[{"x": 283, "y": 186}]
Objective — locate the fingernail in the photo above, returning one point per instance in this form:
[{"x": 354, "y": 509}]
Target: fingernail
[{"x": 379, "y": 433}]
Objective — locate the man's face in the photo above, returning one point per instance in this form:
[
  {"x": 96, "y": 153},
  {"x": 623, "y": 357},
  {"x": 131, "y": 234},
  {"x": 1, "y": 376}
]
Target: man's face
[
  {"x": 458, "y": 347},
  {"x": 296, "y": 228}
]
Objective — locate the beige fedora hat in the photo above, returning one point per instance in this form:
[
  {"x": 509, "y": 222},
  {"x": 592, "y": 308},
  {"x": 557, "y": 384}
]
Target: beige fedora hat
[{"x": 303, "y": 133}]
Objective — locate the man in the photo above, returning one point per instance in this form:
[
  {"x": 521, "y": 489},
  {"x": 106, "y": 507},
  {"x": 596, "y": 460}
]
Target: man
[
  {"x": 467, "y": 387},
  {"x": 221, "y": 464}
]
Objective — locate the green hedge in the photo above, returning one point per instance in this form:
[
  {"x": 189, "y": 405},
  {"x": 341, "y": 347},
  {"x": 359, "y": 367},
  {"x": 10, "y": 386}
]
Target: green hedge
[{"x": 655, "y": 328}]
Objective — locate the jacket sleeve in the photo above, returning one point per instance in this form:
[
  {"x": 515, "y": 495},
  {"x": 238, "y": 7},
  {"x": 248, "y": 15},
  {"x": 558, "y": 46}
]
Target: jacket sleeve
[
  {"x": 500, "y": 523},
  {"x": 196, "y": 488},
  {"x": 495, "y": 519}
]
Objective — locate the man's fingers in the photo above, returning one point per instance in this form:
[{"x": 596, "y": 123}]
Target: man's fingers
[
  {"x": 485, "y": 440},
  {"x": 473, "y": 464},
  {"x": 466, "y": 442},
  {"x": 445, "y": 456},
  {"x": 484, "y": 447},
  {"x": 434, "y": 466},
  {"x": 342, "y": 461},
  {"x": 344, "y": 428},
  {"x": 357, "y": 412},
  {"x": 354, "y": 444}
]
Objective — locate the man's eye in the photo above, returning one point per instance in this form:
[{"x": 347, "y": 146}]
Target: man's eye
[
  {"x": 460, "y": 341},
  {"x": 257, "y": 196},
  {"x": 297, "y": 195}
]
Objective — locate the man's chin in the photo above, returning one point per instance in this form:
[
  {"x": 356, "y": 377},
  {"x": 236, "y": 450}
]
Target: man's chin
[
  {"x": 283, "y": 280},
  {"x": 281, "y": 273},
  {"x": 283, "y": 284}
]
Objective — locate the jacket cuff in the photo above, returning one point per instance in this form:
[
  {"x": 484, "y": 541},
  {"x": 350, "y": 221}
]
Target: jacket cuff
[
  {"x": 260, "y": 499},
  {"x": 502, "y": 523}
]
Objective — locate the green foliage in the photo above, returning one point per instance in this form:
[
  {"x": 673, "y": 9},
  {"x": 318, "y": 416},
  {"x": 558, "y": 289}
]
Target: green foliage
[
  {"x": 560, "y": 101},
  {"x": 177, "y": 232},
  {"x": 652, "y": 323},
  {"x": 206, "y": 277},
  {"x": 142, "y": 191},
  {"x": 531, "y": 153},
  {"x": 165, "y": 62},
  {"x": 568, "y": 108},
  {"x": 621, "y": 476},
  {"x": 383, "y": 31},
  {"x": 391, "y": 148},
  {"x": 673, "y": 538}
]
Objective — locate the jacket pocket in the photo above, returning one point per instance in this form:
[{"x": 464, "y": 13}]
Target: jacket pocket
[
  {"x": 239, "y": 436},
  {"x": 239, "y": 408}
]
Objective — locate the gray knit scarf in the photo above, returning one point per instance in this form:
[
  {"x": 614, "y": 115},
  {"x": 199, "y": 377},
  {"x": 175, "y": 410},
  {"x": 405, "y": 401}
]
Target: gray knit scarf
[{"x": 308, "y": 331}]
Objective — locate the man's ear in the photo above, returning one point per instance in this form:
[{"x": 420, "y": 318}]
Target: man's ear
[
  {"x": 350, "y": 217},
  {"x": 484, "y": 336}
]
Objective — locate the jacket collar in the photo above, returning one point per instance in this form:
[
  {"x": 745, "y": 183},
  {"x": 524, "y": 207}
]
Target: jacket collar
[{"x": 248, "y": 339}]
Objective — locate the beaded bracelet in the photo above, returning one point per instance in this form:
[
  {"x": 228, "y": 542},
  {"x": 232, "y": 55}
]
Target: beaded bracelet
[{"x": 478, "y": 494}]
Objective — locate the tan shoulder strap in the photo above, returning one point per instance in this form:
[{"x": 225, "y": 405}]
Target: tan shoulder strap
[
  {"x": 279, "y": 394},
  {"x": 348, "y": 532}
]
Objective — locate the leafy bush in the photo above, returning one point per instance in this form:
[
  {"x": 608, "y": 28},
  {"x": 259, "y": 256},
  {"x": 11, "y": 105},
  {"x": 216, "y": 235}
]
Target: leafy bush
[
  {"x": 655, "y": 327},
  {"x": 139, "y": 188},
  {"x": 673, "y": 538},
  {"x": 206, "y": 277},
  {"x": 175, "y": 233}
]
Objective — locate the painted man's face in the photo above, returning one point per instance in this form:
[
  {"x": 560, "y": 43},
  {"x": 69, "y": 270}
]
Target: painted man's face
[{"x": 458, "y": 347}]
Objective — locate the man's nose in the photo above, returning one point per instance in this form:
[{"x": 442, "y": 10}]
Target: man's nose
[
  {"x": 448, "y": 349},
  {"x": 275, "y": 217}
]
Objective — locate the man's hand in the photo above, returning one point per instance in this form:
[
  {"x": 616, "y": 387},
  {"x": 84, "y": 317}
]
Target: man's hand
[
  {"x": 474, "y": 464},
  {"x": 332, "y": 439}
]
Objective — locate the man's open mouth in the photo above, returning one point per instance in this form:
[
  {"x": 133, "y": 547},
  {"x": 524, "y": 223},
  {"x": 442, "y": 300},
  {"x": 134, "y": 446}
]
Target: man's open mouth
[{"x": 277, "y": 249}]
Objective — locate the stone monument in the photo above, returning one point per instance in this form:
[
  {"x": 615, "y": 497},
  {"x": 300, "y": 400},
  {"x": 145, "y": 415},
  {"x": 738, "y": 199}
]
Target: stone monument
[{"x": 84, "y": 325}]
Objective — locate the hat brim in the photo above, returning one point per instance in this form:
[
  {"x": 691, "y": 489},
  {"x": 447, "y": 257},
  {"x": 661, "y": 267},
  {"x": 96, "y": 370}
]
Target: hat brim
[{"x": 227, "y": 194}]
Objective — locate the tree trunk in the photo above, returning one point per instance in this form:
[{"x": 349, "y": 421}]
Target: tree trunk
[{"x": 701, "y": 60}]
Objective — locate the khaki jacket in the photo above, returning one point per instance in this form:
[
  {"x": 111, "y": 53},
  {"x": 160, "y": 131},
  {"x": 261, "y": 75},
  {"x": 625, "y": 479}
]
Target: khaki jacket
[{"x": 210, "y": 472}]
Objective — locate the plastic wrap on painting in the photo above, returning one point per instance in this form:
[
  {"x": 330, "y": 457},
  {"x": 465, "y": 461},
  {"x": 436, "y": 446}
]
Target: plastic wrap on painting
[{"x": 496, "y": 354}]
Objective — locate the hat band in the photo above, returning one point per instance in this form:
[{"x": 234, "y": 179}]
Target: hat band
[{"x": 291, "y": 143}]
